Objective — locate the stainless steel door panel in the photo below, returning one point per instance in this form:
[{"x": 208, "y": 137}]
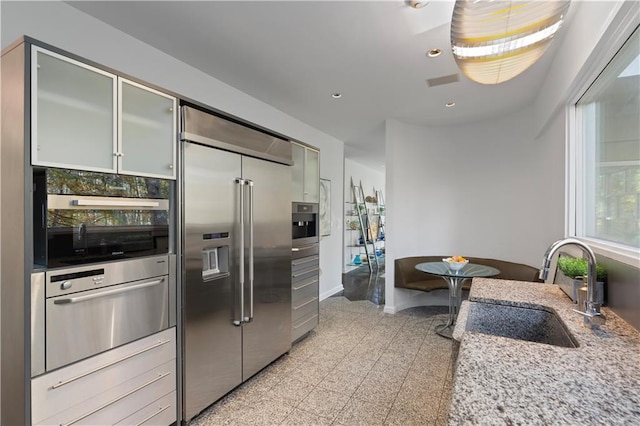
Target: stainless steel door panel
[
  {"x": 84, "y": 324},
  {"x": 212, "y": 344},
  {"x": 268, "y": 335},
  {"x": 37, "y": 324}
]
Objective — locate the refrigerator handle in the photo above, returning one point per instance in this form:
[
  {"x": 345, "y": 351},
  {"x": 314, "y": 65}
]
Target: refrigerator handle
[
  {"x": 241, "y": 182},
  {"x": 251, "y": 274}
]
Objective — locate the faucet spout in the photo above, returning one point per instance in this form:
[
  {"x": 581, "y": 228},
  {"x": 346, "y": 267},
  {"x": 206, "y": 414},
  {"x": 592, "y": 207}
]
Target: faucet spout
[{"x": 591, "y": 311}]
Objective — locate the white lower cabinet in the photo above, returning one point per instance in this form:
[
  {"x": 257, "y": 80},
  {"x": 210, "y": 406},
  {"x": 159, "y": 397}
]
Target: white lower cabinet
[{"x": 132, "y": 384}]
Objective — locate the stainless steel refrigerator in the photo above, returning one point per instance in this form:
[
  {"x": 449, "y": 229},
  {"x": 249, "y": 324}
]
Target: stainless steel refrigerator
[{"x": 237, "y": 269}]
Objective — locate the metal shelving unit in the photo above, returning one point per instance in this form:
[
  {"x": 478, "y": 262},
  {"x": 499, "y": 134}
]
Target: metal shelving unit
[{"x": 366, "y": 232}]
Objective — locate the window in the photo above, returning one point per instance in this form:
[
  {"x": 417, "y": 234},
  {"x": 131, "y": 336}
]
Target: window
[{"x": 608, "y": 154}]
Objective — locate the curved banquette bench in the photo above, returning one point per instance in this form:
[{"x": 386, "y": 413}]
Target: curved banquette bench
[{"x": 407, "y": 276}]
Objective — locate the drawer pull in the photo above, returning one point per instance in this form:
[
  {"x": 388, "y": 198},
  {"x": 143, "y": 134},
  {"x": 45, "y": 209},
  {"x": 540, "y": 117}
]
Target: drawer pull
[
  {"x": 305, "y": 303},
  {"x": 305, "y": 285},
  {"x": 305, "y": 272},
  {"x": 303, "y": 323},
  {"x": 80, "y": 376},
  {"x": 132, "y": 391},
  {"x": 303, "y": 261},
  {"x": 160, "y": 410}
]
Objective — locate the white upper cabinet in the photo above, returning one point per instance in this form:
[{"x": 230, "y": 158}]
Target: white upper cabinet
[
  {"x": 306, "y": 173},
  {"x": 88, "y": 119},
  {"x": 73, "y": 114},
  {"x": 147, "y": 131}
]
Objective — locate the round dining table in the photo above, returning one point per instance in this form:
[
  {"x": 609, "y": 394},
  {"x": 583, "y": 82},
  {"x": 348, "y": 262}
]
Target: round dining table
[{"x": 455, "y": 279}]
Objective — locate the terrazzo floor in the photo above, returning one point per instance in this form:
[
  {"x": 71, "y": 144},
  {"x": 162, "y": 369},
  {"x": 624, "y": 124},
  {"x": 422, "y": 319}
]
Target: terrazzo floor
[{"x": 360, "y": 366}]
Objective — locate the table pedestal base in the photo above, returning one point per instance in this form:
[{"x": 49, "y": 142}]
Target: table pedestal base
[{"x": 455, "y": 298}]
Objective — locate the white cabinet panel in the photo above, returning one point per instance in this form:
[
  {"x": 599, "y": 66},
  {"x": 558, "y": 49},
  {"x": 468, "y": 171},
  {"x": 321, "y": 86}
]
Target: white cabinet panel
[
  {"x": 73, "y": 113},
  {"x": 312, "y": 176},
  {"x": 147, "y": 131},
  {"x": 305, "y": 173},
  {"x": 297, "y": 171}
]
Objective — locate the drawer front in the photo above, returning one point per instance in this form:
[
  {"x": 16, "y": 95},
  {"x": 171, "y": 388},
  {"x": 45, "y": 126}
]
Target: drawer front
[
  {"x": 84, "y": 324},
  {"x": 304, "y": 308},
  {"x": 304, "y": 276},
  {"x": 301, "y": 266},
  {"x": 90, "y": 384},
  {"x": 160, "y": 412},
  {"x": 304, "y": 251},
  {"x": 122, "y": 400},
  {"x": 304, "y": 291},
  {"x": 304, "y": 325}
]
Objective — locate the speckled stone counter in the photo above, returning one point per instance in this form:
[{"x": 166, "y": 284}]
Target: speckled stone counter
[{"x": 506, "y": 381}]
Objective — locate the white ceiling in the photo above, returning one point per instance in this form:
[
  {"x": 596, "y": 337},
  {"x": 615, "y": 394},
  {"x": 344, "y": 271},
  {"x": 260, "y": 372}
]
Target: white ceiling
[{"x": 294, "y": 54}]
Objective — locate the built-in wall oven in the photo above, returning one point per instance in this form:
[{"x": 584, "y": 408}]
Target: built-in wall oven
[
  {"x": 305, "y": 224},
  {"x": 86, "y": 217}
]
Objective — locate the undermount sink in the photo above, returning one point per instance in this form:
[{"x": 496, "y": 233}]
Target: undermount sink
[{"x": 514, "y": 322}]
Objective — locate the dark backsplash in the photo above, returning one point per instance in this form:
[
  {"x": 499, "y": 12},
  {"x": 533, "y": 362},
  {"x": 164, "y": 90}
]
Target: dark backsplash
[{"x": 623, "y": 290}]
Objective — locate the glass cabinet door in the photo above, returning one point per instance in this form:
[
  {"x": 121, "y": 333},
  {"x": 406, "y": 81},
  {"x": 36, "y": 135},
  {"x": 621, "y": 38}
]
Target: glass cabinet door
[
  {"x": 297, "y": 154},
  {"x": 147, "y": 131},
  {"x": 312, "y": 176},
  {"x": 73, "y": 113}
]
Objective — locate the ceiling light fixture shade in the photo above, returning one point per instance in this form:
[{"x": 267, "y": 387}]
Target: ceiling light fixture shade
[
  {"x": 416, "y": 4},
  {"x": 494, "y": 41}
]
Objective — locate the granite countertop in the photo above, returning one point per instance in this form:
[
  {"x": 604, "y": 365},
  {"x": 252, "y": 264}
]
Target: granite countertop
[{"x": 506, "y": 381}]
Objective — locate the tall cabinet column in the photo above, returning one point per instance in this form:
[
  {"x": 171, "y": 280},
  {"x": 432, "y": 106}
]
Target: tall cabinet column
[{"x": 15, "y": 214}]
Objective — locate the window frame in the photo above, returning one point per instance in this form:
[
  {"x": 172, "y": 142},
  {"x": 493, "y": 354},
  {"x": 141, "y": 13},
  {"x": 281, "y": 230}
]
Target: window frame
[{"x": 575, "y": 150}]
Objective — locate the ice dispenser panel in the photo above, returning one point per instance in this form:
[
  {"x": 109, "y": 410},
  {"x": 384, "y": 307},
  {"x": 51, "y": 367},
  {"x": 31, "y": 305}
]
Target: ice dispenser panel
[{"x": 215, "y": 260}]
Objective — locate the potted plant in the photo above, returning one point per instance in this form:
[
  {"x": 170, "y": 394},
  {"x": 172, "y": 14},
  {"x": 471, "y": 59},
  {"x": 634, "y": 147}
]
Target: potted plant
[{"x": 574, "y": 269}]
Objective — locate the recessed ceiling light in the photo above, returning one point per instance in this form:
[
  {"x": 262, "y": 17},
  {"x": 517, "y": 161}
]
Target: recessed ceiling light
[
  {"x": 417, "y": 4},
  {"x": 450, "y": 104},
  {"x": 434, "y": 52},
  {"x": 336, "y": 95}
]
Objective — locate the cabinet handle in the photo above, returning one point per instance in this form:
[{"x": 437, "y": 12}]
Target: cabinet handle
[
  {"x": 80, "y": 376},
  {"x": 304, "y": 248},
  {"x": 305, "y": 303},
  {"x": 304, "y": 273},
  {"x": 306, "y": 260},
  {"x": 160, "y": 410},
  {"x": 301, "y": 324},
  {"x": 305, "y": 285},
  {"x": 132, "y": 391}
]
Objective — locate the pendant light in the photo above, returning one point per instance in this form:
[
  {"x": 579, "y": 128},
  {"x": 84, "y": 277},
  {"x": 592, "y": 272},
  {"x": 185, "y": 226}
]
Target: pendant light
[{"x": 494, "y": 41}]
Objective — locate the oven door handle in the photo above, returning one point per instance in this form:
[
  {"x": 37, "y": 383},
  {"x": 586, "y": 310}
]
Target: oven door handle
[
  {"x": 115, "y": 203},
  {"x": 77, "y": 299}
]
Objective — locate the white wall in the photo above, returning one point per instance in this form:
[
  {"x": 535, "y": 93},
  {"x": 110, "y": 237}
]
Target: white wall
[
  {"x": 580, "y": 52},
  {"x": 492, "y": 189},
  {"x": 65, "y": 27}
]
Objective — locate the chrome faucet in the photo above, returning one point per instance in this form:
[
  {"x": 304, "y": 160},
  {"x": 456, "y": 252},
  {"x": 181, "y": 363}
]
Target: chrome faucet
[{"x": 593, "y": 318}]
